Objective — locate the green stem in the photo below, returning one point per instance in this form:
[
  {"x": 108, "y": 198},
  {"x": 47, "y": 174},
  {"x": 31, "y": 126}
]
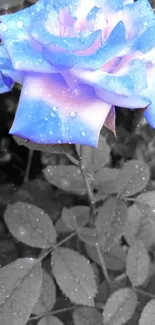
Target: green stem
[
  {"x": 144, "y": 293},
  {"x": 58, "y": 311},
  {"x": 92, "y": 208},
  {"x": 88, "y": 186},
  {"x": 48, "y": 251},
  {"x": 65, "y": 239},
  {"x": 29, "y": 161},
  {"x": 121, "y": 277}
]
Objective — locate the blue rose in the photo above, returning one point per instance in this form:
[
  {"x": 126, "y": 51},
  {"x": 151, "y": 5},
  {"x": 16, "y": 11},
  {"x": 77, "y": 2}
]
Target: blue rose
[{"x": 75, "y": 60}]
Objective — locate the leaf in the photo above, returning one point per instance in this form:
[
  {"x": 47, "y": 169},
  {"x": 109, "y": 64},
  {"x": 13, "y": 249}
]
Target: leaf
[
  {"x": 50, "y": 320},
  {"x": 96, "y": 273},
  {"x": 89, "y": 235},
  {"x": 137, "y": 264},
  {"x": 67, "y": 178},
  {"x": 141, "y": 220},
  {"x": 110, "y": 121},
  {"x": 48, "y": 158},
  {"x": 133, "y": 224},
  {"x": 132, "y": 178},
  {"x": 120, "y": 307},
  {"x": 106, "y": 180},
  {"x": 111, "y": 220},
  {"x": 134, "y": 319},
  {"x": 92, "y": 254},
  {"x": 148, "y": 198},
  {"x": 41, "y": 194},
  {"x": 61, "y": 149},
  {"x": 150, "y": 286},
  {"x": 72, "y": 218},
  {"x": 87, "y": 315},
  {"x": 74, "y": 276},
  {"x": 146, "y": 205},
  {"x": 75, "y": 217},
  {"x": 100, "y": 155},
  {"x": 96, "y": 158},
  {"x": 103, "y": 292},
  {"x": 47, "y": 297},
  {"x": 30, "y": 225},
  {"x": 20, "y": 284},
  {"x": 115, "y": 258},
  {"x": 148, "y": 314},
  {"x": 6, "y": 191},
  {"x": 61, "y": 227}
]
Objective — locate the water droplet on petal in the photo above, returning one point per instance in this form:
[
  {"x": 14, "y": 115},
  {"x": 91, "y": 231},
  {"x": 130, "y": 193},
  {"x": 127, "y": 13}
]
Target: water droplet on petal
[
  {"x": 73, "y": 114},
  {"x": 19, "y": 24},
  {"x": 83, "y": 134},
  {"x": 4, "y": 28}
]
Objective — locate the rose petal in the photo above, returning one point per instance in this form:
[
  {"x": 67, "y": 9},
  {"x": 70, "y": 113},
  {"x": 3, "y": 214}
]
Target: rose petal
[
  {"x": 149, "y": 113},
  {"x": 49, "y": 112},
  {"x": 49, "y": 25},
  {"x": 137, "y": 23},
  {"x": 24, "y": 52},
  {"x": 25, "y": 57},
  {"x": 126, "y": 2},
  {"x": 54, "y": 30},
  {"x": 8, "y": 74},
  {"x": 76, "y": 6},
  {"x": 4, "y": 59},
  {"x": 146, "y": 41},
  {"x": 129, "y": 80},
  {"x": 113, "y": 5},
  {"x": 74, "y": 43},
  {"x": 130, "y": 102},
  {"x": 6, "y": 84},
  {"x": 110, "y": 48},
  {"x": 59, "y": 60}
]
